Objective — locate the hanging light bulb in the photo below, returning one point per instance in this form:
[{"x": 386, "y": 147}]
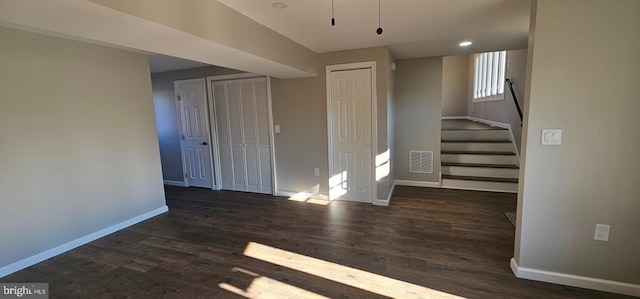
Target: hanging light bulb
[{"x": 379, "y": 30}]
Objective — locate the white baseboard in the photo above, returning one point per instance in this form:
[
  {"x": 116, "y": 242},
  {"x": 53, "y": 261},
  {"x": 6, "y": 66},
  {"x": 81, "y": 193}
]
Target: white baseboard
[
  {"x": 301, "y": 194},
  {"x": 484, "y": 121},
  {"x": 417, "y": 183},
  {"x": 176, "y": 183},
  {"x": 27, "y": 262},
  {"x": 490, "y": 122},
  {"x": 575, "y": 280},
  {"x": 380, "y": 202},
  {"x": 383, "y": 202},
  {"x": 454, "y": 117}
]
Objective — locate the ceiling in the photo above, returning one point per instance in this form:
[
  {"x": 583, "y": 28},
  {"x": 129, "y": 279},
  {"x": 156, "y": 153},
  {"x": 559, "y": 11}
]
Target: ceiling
[{"x": 412, "y": 28}]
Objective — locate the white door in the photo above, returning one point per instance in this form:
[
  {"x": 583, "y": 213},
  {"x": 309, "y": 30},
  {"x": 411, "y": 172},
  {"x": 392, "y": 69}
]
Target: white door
[
  {"x": 350, "y": 115},
  {"x": 196, "y": 146},
  {"x": 244, "y": 140},
  {"x": 225, "y": 94}
]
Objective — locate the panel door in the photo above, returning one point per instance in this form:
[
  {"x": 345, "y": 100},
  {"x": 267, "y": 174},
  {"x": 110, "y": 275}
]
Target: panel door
[
  {"x": 191, "y": 96},
  {"x": 351, "y": 135}
]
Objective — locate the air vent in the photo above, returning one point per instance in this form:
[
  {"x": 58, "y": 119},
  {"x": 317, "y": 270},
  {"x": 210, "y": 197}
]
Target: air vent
[{"x": 421, "y": 161}]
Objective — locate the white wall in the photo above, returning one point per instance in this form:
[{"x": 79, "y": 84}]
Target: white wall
[
  {"x": 584, "y": 74},
  {"x": 78, "y": 142},
  {"x": 167, "y": 118}
]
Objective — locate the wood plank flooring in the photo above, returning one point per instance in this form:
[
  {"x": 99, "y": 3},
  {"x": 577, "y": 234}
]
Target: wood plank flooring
[{"x": 439, "y": 241}]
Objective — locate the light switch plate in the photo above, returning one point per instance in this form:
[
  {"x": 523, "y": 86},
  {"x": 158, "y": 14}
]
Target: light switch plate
[
  {"x": 551, "y": 137},
  {"x": 276, "y": 128}
]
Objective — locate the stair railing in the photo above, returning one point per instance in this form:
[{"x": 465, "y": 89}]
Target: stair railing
[{"x": 515, "y": 100}]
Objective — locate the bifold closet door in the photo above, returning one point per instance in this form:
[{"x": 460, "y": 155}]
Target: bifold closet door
[{"x": 242, "y": 119}]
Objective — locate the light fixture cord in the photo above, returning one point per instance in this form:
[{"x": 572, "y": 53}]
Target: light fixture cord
[
  {"x": 333, "y": 19},
  {"x": 378, "y": 12}
]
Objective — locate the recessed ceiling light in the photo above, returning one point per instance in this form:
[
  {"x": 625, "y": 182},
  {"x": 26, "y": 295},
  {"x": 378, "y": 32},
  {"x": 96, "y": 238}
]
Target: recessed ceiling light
[
  {"x": 465, "y": 44},
  {"x": 278, "y": 5}
]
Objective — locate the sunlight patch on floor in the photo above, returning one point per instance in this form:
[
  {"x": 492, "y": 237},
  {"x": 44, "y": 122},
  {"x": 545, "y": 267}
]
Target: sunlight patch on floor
[
  {"x": 265, "y": 287},
  {"x": 364, "y": 280},
  {"x": 307, "y": 197}
]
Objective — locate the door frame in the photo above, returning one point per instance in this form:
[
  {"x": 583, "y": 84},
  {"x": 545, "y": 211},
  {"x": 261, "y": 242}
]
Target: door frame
[
  {"x": 374, "y": 120},
  {"x": 180, "y": 132},
  {"x": 217, "y": 184}
]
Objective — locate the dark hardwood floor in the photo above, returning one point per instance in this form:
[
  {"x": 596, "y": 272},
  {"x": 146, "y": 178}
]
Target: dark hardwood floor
[{"x": 451, "y": 241}]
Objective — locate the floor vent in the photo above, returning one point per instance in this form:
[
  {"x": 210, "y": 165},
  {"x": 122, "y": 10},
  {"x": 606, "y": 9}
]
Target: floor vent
[{"x": 421, "y": 161}]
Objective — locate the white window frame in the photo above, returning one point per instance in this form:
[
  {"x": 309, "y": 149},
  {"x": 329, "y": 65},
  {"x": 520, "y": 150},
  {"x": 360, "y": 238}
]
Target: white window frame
[{"x": 489, "y": 75}]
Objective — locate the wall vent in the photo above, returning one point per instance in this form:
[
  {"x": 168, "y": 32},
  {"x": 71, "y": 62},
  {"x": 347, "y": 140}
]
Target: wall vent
[{"x": 421, "y": 161}]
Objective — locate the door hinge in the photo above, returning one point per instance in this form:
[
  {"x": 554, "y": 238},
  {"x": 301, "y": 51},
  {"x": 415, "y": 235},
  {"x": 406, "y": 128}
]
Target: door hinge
[
  {"x": 182, "y": 137},
  {"x": 179, "y": 98},
  {"x": 185, "y": 175}
]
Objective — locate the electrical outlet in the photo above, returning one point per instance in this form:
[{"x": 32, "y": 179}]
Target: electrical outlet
[
  {"x": 316, "y": 171},
  {"x": 602, "y": 232}
]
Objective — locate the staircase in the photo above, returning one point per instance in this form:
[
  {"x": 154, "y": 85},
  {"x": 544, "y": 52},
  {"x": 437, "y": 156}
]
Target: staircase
[{"x": 477, "y": 156}]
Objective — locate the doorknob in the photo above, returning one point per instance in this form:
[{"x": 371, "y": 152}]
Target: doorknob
[{"x": 204, "y": 143}]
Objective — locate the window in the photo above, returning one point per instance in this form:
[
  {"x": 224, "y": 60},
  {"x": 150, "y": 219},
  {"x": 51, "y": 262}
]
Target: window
[{"x": 488, "y": 84}]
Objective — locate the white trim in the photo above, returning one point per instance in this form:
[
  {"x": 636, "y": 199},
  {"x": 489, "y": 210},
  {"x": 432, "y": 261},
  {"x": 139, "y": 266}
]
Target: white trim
[
  {"x": 176, "y": 183},
  {"x": 497, "y": 97},
  {"x": 272, "y": 141},
  {"x": 383, "y": 202},
  {"x": 310, "y": 195},
  {"x": 47, "y": 254},
  {"x": 215, "y": 149},
  {"x": 480, "y": 120},
  {"x": 214, "y": 128},
  {"x": 417, "y": 183},
  {"x": 179, "y": 123},
  {"x": 575, "y": 280},
  {"x": 489, "y": 122},
  {"x": 455, "y": 117},
  {"x": 374, "y": 118},
  {"x": 380, "y": 202}
]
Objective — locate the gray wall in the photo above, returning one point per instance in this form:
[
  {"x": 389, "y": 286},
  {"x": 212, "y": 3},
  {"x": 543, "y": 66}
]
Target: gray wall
[
  {"x": 166, "y": 115},
  {"x": 78, "y": 145},
  {"x": 455, "y": 82},
  {"x": 503, "y": 111},
  {"x": 417, "y": 104},
  {"x": 300, "y": 108},
  {"x": 584, "y": 74}
]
